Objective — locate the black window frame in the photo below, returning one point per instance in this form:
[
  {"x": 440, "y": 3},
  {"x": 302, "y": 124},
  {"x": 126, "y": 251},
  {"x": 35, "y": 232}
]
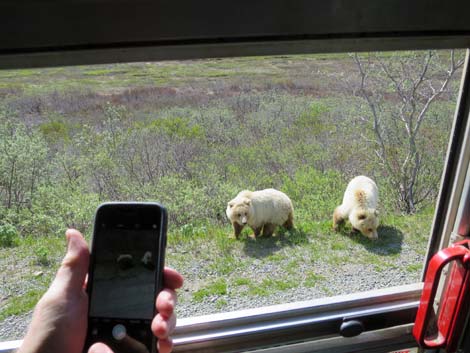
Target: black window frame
[{"x": 81, "y": 32}]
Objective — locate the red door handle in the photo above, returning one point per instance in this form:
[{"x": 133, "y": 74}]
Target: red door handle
[{"x": 443, "y": 330}]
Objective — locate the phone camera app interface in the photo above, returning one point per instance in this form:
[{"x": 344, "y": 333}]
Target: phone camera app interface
[{"x": 124, "y": 273}]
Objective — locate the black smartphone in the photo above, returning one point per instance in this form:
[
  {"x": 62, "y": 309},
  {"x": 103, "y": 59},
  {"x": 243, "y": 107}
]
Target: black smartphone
[{"x": 125, "y": 275}]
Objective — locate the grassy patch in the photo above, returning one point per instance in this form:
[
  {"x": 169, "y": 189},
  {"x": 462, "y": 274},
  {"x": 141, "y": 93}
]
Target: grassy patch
[
  {"x": 339, "y": 246},
  {"x": 102, "y": 72},
  {"x": 241, "y": 281},
  {"x": 221, "y": 303},
  {"x": 217, "y": 288},
  {"x": 225, "y": 265},
  {"x": 312, "y": 279},
  {"x": 414, "y": 267},
  {"x": 270, "y": 285},
  {"x": 21, "y": 304},
  {"x": 260, "y": 291},
  {"x": 292, "y": 267},
  {"x": 275, "y": 258}
]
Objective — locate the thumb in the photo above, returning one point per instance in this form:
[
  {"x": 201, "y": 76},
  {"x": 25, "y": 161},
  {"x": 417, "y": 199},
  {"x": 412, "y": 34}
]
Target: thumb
[
  {"x": 72, "y": 272},
  {"x": 100, "y": 348}
]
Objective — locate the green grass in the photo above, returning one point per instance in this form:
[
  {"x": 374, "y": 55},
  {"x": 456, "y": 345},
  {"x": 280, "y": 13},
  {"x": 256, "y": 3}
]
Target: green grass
[
  {"x": 241, "y": 282},
  {"x": 20, "y": 304},
  {"x": 219, "y": 287},
  {"x": 312, "y": 279},
  {"x": 275, "y": 258},
  {"x": 414, "y": 267},
  {"x": 260, "y": 291},
  {"x": 221, "y": 303},
  {"x": 292, "y": 267},
  {"x": 270, "y": 284},
  {"x": 225, "y": 265},
  {"x": 103, "y": 72}
]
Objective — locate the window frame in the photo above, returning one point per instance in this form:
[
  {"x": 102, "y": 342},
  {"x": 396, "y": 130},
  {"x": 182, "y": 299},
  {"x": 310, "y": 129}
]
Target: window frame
[{"x": 45, "y": 34}]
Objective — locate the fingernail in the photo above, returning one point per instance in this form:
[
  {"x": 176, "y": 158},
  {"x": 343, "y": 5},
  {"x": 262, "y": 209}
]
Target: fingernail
[{"x": 70, "y": 240}]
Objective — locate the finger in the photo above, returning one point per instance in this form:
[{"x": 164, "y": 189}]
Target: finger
[
  {"x": 100, "y": 348},
  {"x": 166, "y": 302},
  {"x": 172, "y": 279},
  {"x": 74, "y": 268},
  {"x": 165, "y": 345},
  {"x": 163, "y": 327}
]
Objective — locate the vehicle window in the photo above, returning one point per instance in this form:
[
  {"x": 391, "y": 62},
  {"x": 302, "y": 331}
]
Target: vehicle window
[{"x": 194, "y": 134}]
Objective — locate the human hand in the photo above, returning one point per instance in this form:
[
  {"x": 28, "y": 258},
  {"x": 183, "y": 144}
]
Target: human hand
[{"x": 60, "y": 318}]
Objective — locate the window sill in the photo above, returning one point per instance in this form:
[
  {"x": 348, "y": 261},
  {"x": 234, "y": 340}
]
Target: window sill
[{"x": 386, "y": 315}]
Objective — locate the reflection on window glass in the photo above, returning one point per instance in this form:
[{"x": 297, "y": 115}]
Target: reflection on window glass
[{"x": 193, "y": 134}]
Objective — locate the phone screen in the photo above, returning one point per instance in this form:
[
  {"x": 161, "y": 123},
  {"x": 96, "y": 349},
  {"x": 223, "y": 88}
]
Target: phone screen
[{"x": 124, "y": 271}]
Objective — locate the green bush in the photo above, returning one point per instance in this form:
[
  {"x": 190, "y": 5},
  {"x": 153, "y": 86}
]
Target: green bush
[
  {"x": 58, "y": 207},
  {"x": 190, "y": 202},
  {"x": 177, "y": 127},
  {"x": 23, "y": 162},
  {"x": 184, "y": 200},
  {"x": 42, "y": 256},
  {"x": 314, "y": 194},
  {"x": 54, "y": 131},
  {"x": 8, "y": 235}
]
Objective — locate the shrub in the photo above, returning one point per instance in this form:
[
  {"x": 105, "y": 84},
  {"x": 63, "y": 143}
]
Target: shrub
[
  {"x": 177, "y": 127},
  {"x": 42, "y": 255},
  {"x": 23, "y": 162},
  {"x": 54, "y": 131},
  {"x": 314, "y": 194},
  {"x": 191, "y": 202},
  {"x": 183, "y": 199},
  {"x": 57, "y": 207},
  {"x": 8, "y": 235}
]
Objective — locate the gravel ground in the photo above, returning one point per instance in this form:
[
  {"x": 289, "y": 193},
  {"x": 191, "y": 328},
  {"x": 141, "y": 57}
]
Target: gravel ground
[
  {"x": 344, "y": 279},
  {"x": 339, "y": 279},
  {"x": 14, "y": 327}
]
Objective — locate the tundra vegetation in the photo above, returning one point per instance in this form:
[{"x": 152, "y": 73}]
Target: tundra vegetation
[{"x": 192, "y": 134}]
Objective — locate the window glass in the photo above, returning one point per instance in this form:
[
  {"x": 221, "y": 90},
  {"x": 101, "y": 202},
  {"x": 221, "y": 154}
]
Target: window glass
[{"x": 193, "y": 134}]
